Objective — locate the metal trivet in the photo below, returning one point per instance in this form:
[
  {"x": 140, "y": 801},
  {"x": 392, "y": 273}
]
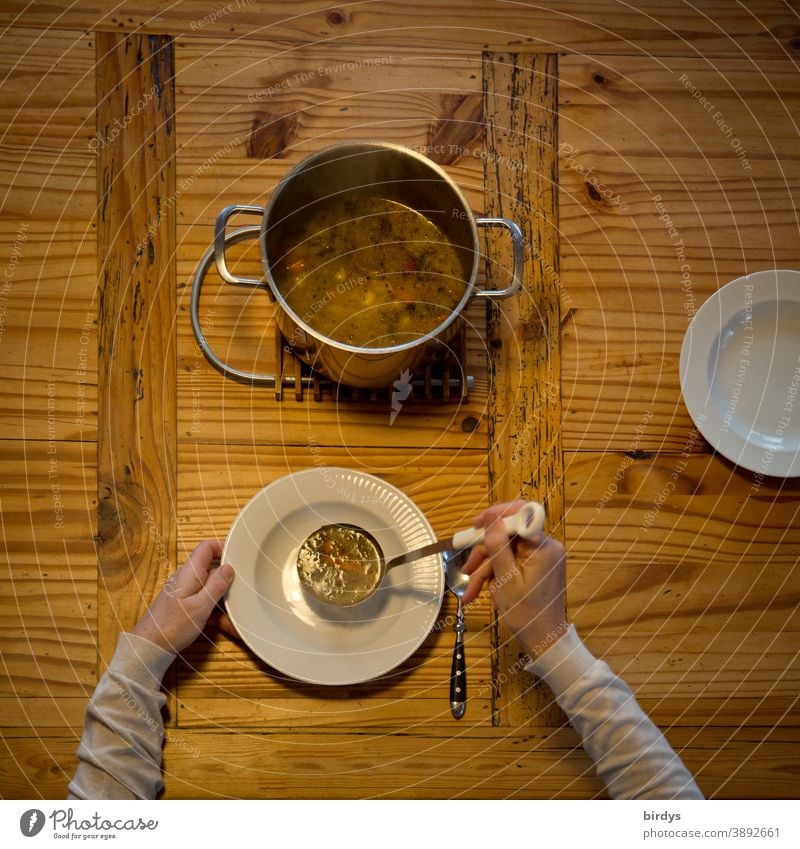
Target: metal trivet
[{"x": 440, "y": 378}]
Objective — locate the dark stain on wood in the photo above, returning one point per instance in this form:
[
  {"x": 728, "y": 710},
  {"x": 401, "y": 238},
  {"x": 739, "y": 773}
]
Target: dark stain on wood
[
  {"x": 592, "y": 193},
  {"x": 458, "y": 130},
  {"x": 270, "y": 135},
  {"x": 108, "y": 520},
  {"x": 162, "y": 74},
  {"x": 138, "y": 303},
  {"x": 138, "y": 375},
  {"x": 335, "y": 17}
]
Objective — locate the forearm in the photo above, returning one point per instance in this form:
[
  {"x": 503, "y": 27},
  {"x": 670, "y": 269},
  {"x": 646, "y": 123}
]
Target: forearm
[
  {"x": 632, "y": 756},
  {"x": 119, "y": 756}
]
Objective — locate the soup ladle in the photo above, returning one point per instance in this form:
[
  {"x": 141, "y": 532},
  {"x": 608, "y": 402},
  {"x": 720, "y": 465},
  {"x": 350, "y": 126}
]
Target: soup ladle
[{"x": 343, "y": 565}]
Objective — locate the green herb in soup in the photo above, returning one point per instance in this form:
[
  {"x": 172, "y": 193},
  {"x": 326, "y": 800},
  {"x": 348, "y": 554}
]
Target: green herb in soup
[{"x": 370, "y": 272}]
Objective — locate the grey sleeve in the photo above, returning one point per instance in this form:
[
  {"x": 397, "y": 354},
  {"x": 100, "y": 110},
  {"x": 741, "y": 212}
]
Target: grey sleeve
[
  {"x": 631, "y": 755},
  {"x": 119, "y": 756}
]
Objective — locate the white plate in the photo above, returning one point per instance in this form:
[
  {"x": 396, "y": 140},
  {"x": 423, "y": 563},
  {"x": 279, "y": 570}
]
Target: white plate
[
  {"x": 294, "y": 633},
  {"x": 740, "y": 371}
]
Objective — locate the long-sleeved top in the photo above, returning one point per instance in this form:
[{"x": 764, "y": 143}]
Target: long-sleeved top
[
  {"x": 631, "y": 755},
  {"x": 120, "y": 752}
]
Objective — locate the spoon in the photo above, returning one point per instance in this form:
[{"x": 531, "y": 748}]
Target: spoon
[
  {"x": 343, "y": 565},
  {"x": 457, "y": 582}
]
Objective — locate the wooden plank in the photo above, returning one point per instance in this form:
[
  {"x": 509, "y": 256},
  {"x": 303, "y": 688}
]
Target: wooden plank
[
  {"x": 755, "y": 763},
  {"x": 523, "y": 334},
  {"x": 635, "y": 134},
  {"x": 38, "y": 714},
  {"x": 48, "y": 93},
  {"x": 136, "y": 381},
  {"x": 47, "y": 168},
  {"x": 681, "y": 575},
  {"x": 404, "y": 766},
  {"x": 48, "y": 331},
  {"x": 47, "y": 175},
  {"x": 763, "y": 27},
  {"x": 240, "y": 328},
  {"x": 449, "y": 488},
  {"x": 272, "y": 105},
  {"x": 626, "y": 311},
  {"x": 251, "y": 110},
  {"x": 362, "y": 713},
  {"x": 48, "y": 593}
]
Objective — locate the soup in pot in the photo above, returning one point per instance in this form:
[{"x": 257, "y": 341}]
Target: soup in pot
[{"x": 370, "y": 272}]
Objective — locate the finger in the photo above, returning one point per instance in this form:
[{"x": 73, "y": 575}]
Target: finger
[
  {"x": 501, "y": 553},
  {"x": 478, "y": 578},
  {"x": 219, "y": 582},
  {"x": 526, "y": 547},
  {"x": 193, "y": 575},
  {"x": 475, "y": 559},
  {"x": 506, "y": 508},
  {"x": 225, "y": 625}
]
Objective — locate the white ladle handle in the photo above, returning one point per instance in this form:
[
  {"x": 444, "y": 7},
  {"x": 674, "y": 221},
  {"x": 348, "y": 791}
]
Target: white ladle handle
[{"x": 526, "y": 523}]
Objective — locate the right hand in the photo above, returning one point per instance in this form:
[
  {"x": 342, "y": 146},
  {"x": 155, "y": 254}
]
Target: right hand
[{"x": 527, "y": 580}]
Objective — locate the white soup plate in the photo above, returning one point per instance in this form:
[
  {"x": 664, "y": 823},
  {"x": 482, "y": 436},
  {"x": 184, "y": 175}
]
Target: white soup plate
[
  {"x": 304, "y": 638},
  {"x": 740, "y": 371}
]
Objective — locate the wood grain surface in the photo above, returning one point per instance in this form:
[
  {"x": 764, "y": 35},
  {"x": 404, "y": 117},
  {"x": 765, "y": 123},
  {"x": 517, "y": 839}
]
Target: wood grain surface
[
  {"x": 47, "y": 178},
  {"x": 737, "y": 764},
  {"x": 706, "y": 27},
  {"x": 714, "y": 145},
  {"x": 524, "y": 332},
  {"x": 691, "y": 593},
  {"x": 136, "y": 309},
  {"x": 48, "y": 592}
]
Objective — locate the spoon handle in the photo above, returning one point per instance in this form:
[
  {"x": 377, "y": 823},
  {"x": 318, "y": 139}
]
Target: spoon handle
[
  {"x": 526, "y": 523},
  {"x": 458, "y": 671}
]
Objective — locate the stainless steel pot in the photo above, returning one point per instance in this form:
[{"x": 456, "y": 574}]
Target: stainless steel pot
[{"x": 372, "y": 169}]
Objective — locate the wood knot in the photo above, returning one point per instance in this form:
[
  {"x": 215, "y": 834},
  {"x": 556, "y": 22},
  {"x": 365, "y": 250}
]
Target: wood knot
[
  {"x": 794, "y": 43},
  {"x": 457, "y": 132},
  {"x": 593, "y": 192},
  {"x": 270, "y": 135},
  {"x": 470, "y": 424},
  {"x": 598, "y": 78},
  {"x": 336, "y": 18}
]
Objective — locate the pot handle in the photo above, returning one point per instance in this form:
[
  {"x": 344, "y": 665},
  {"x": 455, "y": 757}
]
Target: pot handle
[
  {"x": 516, "y": 273},
  {"x": 203, "y": 266},
  {"x": 220, "y": 241}
]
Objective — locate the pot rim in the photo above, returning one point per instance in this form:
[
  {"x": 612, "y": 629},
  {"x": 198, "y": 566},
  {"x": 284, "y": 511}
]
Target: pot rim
[{"x": 356, "y": 147}]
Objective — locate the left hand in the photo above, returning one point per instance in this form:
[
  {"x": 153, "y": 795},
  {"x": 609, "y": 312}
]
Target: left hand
[{"x": 180, "y": 611}]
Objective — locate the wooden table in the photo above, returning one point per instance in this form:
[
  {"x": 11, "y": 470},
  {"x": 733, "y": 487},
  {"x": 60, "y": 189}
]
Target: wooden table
[{"x": 649, "y": 161}]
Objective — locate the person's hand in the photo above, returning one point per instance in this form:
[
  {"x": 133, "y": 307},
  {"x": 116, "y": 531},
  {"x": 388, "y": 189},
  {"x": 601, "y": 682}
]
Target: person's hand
[
  {"x": 527, "y": 580},
  {"x": 180, "y": 611}
]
